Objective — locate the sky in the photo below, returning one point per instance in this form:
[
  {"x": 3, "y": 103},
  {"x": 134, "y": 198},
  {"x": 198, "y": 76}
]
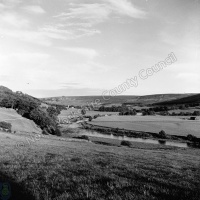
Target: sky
[{"x": 85, "y": 47}]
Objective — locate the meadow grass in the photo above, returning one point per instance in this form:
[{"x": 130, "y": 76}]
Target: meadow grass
[
  {"x": 54, "y": 168},
  {"x": 171, "y": 125}
]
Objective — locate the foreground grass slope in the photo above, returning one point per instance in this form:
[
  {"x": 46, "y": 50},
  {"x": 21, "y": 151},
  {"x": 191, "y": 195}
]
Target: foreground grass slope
[
  {"x": 18, "y": 122},
  {"x": 55, "y": 168}
]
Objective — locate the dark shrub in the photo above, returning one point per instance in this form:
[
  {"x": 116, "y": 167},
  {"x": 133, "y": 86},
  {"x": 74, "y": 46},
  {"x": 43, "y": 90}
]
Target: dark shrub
[
  {"x": 5, "y": 125},
  {"x": 58, "y": 132},
  {"x": 45, "y": 132},
  {"x": 90, "y": 118},
  {"x": 116, "y": 130},
  {"x": 95, "y": 116},
  {"x": 83, "y": 137},
  {"x": 125, "y": 143},
  {"x": 162, "y": 134},
  {"x": 191, "y": 137}
]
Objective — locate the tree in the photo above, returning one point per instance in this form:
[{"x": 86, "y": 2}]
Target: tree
[
  {"x": 196, "y": 113},
  {"x": 83, "y": 111},
  {"x": 162, "y": 134},
  {"x": 53, "y": 112}
]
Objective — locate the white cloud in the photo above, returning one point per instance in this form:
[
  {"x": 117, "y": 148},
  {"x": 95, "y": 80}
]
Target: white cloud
[
  {"x": 2, "y": 6},
  {"x": 125, "y": 7},
  {"x": 23, "y": 67},
  {"x": 13, "y": 20},
  {"x": 189, "y": 77},
  {"x": 90, "y": 53},
  {"x": 11, "y": 3},
  {"x": 35, "y": 9},
  {"x": 93, "y": 13}
]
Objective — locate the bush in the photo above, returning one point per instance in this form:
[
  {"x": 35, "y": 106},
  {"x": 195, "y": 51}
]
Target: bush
[
  {"x": 125, "y": 143},
  {"x": 83, "y": 137},
  {"x": 6, "y": 125},
  {"x": 162, "y": 134},
  {"x": 95, "y": 116},
  {"x": 191, "y": 137},
  {"x": 58, "y": 132},
  {"x": 45, "y": 132}
]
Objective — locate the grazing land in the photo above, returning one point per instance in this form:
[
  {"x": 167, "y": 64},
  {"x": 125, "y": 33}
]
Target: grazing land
[
  {"x": 73, "y": 112},
  {"x": 171, "y": 125},
  {"x": 55, "y": 168},
  {"x": 19, "y": 123},
  {"x": 93, "y": 113},
  {"x": 189, "y": 110}
]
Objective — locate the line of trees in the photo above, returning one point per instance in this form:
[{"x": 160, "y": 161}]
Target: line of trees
[{"x": 30, "y": 109}]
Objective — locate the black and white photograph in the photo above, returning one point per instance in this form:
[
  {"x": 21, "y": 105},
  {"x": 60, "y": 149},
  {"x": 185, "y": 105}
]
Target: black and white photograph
[{"x": 99, "y": 99}]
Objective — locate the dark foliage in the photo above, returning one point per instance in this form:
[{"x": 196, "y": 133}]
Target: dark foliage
[
  {"x": 29, "y": 107},
  {"x": 191, "y": 137},
  {"x": 5, "y": 125},
  {"x": 125, "y": 143},
  {"x": 162, "y": 134},
  {"x": 83, "y": 137}
]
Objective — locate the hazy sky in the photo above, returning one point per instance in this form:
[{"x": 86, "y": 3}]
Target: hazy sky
[{"x": 83, "y": 47}]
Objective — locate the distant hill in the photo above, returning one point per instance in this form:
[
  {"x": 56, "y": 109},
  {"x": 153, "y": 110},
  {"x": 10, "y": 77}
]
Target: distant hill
[
  {"x": 186, "y": 100},
  {"x": 117, "y": 100}
]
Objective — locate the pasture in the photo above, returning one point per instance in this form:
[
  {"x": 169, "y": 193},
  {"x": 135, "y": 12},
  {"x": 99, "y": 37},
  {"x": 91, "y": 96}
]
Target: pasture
[
  {"x": 70, "y": 112},
  {"x": 92, "y": 113},
  {"x": 19, "y": 123},
  {"x": 57, "y": 168},
  {"x": 73, "y": 112},
  {"x": 190, "y": 110},
  {"x": 171, "y": 125}
]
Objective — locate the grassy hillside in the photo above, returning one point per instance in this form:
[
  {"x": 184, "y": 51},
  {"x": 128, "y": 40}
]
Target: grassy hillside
[
  {"x": 186, "y": 100},
  {"x": 7, "y": 93},
  {"x": 117, "y": 100},
  {"x": 51, "y": 168},
  {"x": 31, "y": 108},
  {"x": 19, "y": 123}
]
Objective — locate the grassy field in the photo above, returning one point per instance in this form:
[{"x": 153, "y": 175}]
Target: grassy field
[
  {"x": 70, "y": 112},
  {"x": 92, "y": 113},
  {"x": 55, "y": 168},
  {"x": 19, "y": 123},
  {"x": 171, "y": 125},
  {"x": 190, "y": 110},
  {"x": 73, "y": 112}
]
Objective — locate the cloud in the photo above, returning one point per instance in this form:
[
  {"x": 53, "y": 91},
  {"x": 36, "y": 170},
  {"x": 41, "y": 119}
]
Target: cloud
[
  {"x": 13, "y": 20},
  {"x": 2, "y": 6},
  {"x": 83, "y": 16},
  {"x": 90, "y": 53},
  {"x": 11, "y": 3},
  {"x": 125, "y": 7},
  {"x": 92, "y": 13},
  {"x": 21, "y": 67},
  {"x": 34, "y": 9},
  {"x": 191, "y": 77},
  {"x": 68, "y": 85}
]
